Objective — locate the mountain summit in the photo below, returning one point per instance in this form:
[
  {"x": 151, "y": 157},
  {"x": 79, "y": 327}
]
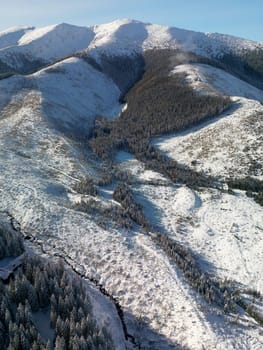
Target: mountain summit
[{"x": 121, "y": 36}]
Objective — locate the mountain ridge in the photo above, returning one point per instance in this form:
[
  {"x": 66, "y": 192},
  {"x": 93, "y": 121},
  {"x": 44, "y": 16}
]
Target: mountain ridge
[{"x": 126, "y": 35}]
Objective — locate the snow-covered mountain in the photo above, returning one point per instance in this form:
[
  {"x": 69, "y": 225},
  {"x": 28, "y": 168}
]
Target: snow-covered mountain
[
  {"x": 11, "y": 37},
  {"x": 119, "y": 37},
  {"x": 64, "y": 153}
]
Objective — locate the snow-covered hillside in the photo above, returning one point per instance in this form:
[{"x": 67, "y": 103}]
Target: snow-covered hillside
[
  {"x": 47, "y": 44},
  {"x": 206, "y": 78},
  {"x": 227, "y": 146},
  {"x": 11, "y": 37},
  {"x": 45, "y": 121},
  {"x": 119, "y": 37},
  {"x": 71, "y": 94}
]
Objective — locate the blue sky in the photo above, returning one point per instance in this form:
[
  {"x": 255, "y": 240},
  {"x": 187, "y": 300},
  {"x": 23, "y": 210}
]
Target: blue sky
[{"x": 237, "y": 17}]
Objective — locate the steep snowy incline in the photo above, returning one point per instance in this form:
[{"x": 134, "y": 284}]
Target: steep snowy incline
[
  {"x": 11, "y": 36},
  {"x": 73, "y": 93},
  {"x": 47, "y": 44},
  {"x": 56, "y": 41},
  {"x": 61, "y": 100}
]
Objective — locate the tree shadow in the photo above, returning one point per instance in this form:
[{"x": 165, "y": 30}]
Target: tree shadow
[{"x": 144, "y": 337}]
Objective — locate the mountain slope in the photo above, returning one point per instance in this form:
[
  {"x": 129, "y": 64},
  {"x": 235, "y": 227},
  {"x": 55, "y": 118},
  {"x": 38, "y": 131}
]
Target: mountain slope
[
  {"x": 210, "y": 146},
  {"x": 11, "y": 37},
  {"x": 116, "y": 38},
  {"x": 180, "y": 257}
]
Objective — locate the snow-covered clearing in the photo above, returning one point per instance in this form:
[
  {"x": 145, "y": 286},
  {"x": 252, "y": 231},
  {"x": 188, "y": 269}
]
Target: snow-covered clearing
[{"x": 41, "y": 320}]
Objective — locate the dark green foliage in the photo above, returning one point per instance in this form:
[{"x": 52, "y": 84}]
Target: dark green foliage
[
  {"x": 259, "y": 198},
  {"x": 5, "y": 70},
  {"x": 252, "y": 186},
  {"x": 124, "y": 195},
  {"x": 254, "y": 61},
  {"x": 159, "y": 162},
  {"x": 247, "y": 66},
  {"x": 162, "y": 103},
  {"x": 40, "y": 285},
  {"x": 124, "y": 70},
  {"x": 246, "y": 184},
  {"x": 102, "y": 215},
  {"x": 86, "y": 186},
  {"x": 11, "y": 244}
]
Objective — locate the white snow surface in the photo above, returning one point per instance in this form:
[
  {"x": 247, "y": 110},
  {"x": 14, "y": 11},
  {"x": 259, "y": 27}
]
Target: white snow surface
[
  {"x": 11, "y": 36},
  {"x": 78, "y": 90},
  {"x": 42, "y": 165},
  {"x": 230, "y": 145},
  {"x": 70, "y": 93},
  {"x": 203, "y": 77},
  {"x": 122, "y": 36},
  {"x": 56, "y": 41},
  {"x": 48, "y": 44}
]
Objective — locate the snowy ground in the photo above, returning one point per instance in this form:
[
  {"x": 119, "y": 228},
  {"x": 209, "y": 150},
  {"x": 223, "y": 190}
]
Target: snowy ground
[
  {"x": 205, "y": 78},
  {"x": 211, "y": 147},
  {"x": 41, "y": 167},
  {"x": 229, "y": 145},
  {"x": 127, "y": 263},
  {"x": 41, "y": 163}
]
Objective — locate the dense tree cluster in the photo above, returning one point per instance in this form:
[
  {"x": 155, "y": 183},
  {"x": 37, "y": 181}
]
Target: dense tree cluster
[
  {"x": 246, "y": 184},
  {"x": 124, "y": 195},
  {"x": 102, "y": 214},
  {"x": 247, "y": 65},
  {"x": 5, "y": 70},
  {"x": 86, "y": 186},
  {"x": 46, "y": 286},
  {"x": 252, "y": 186},
  {"x": 11, "y": 244}
]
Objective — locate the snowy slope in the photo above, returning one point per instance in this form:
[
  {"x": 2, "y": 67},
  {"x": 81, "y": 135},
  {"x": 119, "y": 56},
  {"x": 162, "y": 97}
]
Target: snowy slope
[
  {"x": 47, "y": 44},
  {"x": 119, "y": 37},
  {"x": 228, "y": 146},
  {"x": 210, "y": 146},
  {"x": 126, "y": 35},
  {"x": 45, "y": 118},
  {"x": 11, "y": 37},
  {"x": 205, "y": 78},
  {"x": 71, "y": 94},
  {"x": 56, "y": 41}
]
